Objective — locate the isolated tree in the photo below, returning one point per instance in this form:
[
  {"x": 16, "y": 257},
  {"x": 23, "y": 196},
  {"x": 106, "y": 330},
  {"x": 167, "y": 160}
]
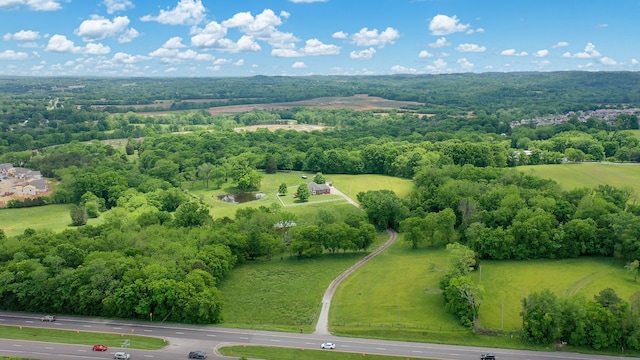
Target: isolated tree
[
  {"x": 79, "y": 215},
  {"x": 249, "y": 181},
  {"x": 303, "y": 192},
  {"x": 319, "y": 179},
  {"x": 282, "y": 189}
]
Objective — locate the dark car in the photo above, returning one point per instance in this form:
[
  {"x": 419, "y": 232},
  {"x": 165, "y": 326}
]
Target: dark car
[
  {"x": 487, "y": 357},
  {"x": 197, "y": 355}
]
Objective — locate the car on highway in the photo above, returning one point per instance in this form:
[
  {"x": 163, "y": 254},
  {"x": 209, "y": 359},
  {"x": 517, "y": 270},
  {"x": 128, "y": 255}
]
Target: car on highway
[
  {"x": 120, "y": 355},
  {"x": 487, "y": 357},
  {"x": 100, "y": 348},
  {"x": 328, "y": 345},
  {"x": 197, "y": 355},
  {"x": 48, "y": 318}
]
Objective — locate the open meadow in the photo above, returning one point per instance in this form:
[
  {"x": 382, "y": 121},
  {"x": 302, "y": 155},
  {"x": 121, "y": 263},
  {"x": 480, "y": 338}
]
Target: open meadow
[
  {"x": 54, "y": 218},
  {"x": 575, "y": 175},
  {"x": 396, "y": 294},
  {"x": 284, "y": 293}
]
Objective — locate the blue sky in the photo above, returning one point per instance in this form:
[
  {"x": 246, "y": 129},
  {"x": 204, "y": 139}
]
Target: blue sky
[{"x": 180, "y": 38}]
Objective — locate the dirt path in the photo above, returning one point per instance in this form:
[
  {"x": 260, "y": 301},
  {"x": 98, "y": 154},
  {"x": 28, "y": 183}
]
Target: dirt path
[{"x": 322, "y": 327}]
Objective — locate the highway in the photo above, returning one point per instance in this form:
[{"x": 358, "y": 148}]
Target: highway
[{"x": 184, "y": 338}]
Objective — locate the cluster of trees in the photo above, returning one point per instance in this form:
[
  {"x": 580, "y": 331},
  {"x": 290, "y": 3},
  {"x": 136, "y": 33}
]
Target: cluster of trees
[
  {"x": 462, "y": 296},
  {"x": 157, "y": 252},
  {"x": 604, "y": 322},
  {"x": 505, "y": 214}
]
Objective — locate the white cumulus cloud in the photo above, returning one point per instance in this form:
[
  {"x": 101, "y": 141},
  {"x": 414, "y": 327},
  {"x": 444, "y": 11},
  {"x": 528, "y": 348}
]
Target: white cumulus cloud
[
  {"x": 13, "y": 55},
  {"x": 399, "y": 69},
  {"x": 340, "y": 35},
  {"x": 541, "y": 53},
  {"x": 608, "y": 61},
  {"x": 117, "y": 5},
  {"x": 512, "y": 52},
  {"x": 23, "y": 35},
  {"x": 470, "y": 48},
  {"x": 366, "y": 37},
  {"x": 299, "y": 65},
  {"x": 36, "y": 5},
  {"x": 445, "y": 25},
  {"x": 424, "y": 54},
  {"x": 98, "y": 28},
  {"x": 465, "y": 64},
  {"x": 187, "y": 12},
  {"x": 363, "y": 54},
  {"x": 561, "y": 44},
  {"x": 441, "y": 42},
  {"x": 60, "y": 44}
]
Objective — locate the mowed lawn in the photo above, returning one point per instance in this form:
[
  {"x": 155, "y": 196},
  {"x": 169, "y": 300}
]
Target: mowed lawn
[
  {"x": 571, "y": 176},
  {"x": 50, "y": 217},
  {"x": 351, "y": 185}
]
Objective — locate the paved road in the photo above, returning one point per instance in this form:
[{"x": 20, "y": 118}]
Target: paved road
[{"x": 185, "y": 338}]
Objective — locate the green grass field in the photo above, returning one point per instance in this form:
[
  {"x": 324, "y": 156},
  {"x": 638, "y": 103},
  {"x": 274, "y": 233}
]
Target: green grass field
[
  {"x": 507, "y": 282},
  {"x": 50, "y": 217},
  {"x": 82, "y": 338},
  {"x": 282, "y": 294},
  {"x": 273, "y": 353},
  {"x": 351, "y": 185},
  {"x": 397, "y": 290},
  {"x": 571, "y": 176}
]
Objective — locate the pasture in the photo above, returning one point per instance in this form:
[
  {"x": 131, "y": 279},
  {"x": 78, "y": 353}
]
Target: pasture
[{"x": 571, "y": 176}]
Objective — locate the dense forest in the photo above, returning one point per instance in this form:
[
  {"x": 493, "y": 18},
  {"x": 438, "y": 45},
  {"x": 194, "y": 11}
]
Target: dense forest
[{"x": 159, "y": 250}]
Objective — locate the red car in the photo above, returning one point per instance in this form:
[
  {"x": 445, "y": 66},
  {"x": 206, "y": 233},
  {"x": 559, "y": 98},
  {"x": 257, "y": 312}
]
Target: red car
[{"x": 99, "y": 347}]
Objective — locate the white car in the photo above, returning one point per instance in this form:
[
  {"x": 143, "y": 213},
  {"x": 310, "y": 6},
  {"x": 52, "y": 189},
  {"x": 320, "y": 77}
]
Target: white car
[
  {"x": 328, "y": 346},
  {"x": 121, "y": 356},
  {"x": 48, "y": 318}
]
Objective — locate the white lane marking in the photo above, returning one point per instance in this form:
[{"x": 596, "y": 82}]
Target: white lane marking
[
  {"x": 275, "y": 340},
  {"x": 17, "y": 345},
  {"x": 211, "y": 335},
  {"x": 179, "y": 333},
  {"x": 148, "y": 330}
]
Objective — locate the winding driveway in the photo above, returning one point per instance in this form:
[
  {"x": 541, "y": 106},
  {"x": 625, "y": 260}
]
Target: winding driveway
[{"x": 322, "y": 327}]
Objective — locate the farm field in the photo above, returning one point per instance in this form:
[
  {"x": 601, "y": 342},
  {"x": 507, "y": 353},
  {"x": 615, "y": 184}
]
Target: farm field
[{"x": 571, "y": 176}]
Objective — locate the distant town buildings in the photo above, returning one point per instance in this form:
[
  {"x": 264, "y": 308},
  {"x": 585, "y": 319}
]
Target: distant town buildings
[
  {"x": 20, "y": 181},
  {"x": 608, "y": 115}
]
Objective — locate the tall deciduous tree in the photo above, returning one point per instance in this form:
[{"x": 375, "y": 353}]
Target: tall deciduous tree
[
  {"x": 79, "y": 215},
  {"x": 303, "y": 192}
]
